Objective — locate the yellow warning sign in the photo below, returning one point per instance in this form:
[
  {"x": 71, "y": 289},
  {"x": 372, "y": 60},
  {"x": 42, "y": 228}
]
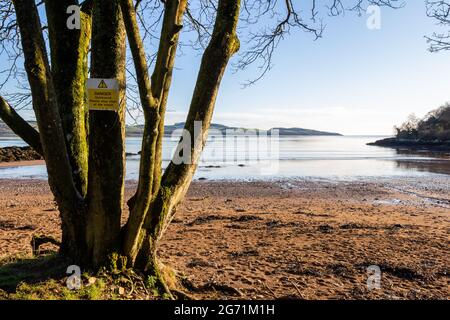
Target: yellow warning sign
[
  {"x": 103, "y": 94},
  {"x": 102, "y": 85}
]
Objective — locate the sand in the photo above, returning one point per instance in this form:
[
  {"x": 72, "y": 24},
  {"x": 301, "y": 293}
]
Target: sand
[{"x": 303, "y": 239}]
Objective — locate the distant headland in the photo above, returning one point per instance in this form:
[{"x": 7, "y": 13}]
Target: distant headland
[
  {"x": 430, "y": 133},
  {"x": 137, "y": 130}
]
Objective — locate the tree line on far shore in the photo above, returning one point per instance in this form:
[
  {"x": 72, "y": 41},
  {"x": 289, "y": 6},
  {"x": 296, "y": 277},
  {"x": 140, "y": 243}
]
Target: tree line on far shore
[{"x": 434, "y": 126}]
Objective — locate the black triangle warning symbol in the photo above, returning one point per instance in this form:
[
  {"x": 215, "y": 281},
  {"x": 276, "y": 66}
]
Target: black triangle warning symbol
[{"x": 102, "y": 85}]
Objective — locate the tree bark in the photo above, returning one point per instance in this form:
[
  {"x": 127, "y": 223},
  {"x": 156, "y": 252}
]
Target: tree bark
[{"x": 106, "y": 135}]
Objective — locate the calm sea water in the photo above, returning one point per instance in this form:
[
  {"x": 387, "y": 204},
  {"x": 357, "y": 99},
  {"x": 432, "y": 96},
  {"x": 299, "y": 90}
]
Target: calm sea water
[{"x": 346, "y": 157}]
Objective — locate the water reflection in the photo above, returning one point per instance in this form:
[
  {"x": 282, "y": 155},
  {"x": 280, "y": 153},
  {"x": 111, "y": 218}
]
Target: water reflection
[
  {"x": 438, "y": 166},
  {"x": 430, "y": 161}
]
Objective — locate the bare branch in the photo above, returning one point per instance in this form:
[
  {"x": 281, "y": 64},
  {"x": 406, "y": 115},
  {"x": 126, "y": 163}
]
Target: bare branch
[
  {"x": 440, "y": 11},
  {"x": 19, "y": 126}
]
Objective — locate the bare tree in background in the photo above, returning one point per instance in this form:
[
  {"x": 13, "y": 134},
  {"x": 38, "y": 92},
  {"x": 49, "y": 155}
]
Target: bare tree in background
[
  {"x": 85, "y": 150},
  {"x": 440, "y": 11}
]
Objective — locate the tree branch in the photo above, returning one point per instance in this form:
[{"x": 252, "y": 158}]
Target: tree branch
[
  {"x": 142, "y": 198},
  {"x": 177, "y": 177},
  {"x": 151, "y": 94},
  {"x": 19, "y": 126},
  {"x": 440, "y": 12},
  {"x": 162, "y": 75}
]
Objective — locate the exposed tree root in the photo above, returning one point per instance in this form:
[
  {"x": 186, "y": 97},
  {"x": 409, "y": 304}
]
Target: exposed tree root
[{"x": 160, "y": 278}]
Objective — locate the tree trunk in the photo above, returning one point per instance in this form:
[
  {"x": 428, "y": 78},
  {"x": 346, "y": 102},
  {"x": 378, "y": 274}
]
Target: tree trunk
[
  {"x": 106, "y": 135},
  {"x": 86, "y": 163}
]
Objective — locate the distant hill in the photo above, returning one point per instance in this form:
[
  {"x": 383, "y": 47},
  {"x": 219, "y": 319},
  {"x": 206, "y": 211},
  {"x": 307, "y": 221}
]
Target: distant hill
[
  {"x": 137, "y": 130},
  {"x": 303, "y": 132},
  {"x": 169, "y": 129}
]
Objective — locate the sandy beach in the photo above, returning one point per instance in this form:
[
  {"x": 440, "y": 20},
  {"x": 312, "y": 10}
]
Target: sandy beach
[{"x": 303, "y": 239}]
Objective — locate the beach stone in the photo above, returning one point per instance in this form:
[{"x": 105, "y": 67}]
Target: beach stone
[{"x": 10, "y": 154}]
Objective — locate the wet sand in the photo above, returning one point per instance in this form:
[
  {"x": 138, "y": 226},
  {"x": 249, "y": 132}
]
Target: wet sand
[{"x": 303, "y": 239}]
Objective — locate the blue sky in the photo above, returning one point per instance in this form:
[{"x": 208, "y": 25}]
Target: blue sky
[{"x": 353, "y": 80}]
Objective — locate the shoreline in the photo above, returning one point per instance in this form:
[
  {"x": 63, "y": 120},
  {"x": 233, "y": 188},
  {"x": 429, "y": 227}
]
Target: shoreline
[
  {"x": 413, "y": 145},
  {"x": 22, "y": 163},
  {"x": 302, "y": 239}
]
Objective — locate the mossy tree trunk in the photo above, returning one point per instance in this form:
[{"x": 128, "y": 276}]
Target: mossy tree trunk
[
  {"x": 106, "y": 135},
  {"x": 69, "y": 57},
  {"x": 50, "y": 126},
  {"x": 85, "y": 151}
]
